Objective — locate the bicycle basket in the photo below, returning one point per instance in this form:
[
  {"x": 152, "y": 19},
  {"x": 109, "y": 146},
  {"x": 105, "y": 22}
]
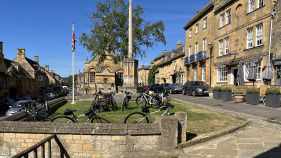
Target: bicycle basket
[
  {"x": 145, "y": 109},
  {"x": 88, "y": 112}
]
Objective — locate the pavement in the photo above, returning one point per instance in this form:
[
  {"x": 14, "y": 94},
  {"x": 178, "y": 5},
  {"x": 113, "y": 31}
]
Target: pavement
[{"x": 260, "y": 139}]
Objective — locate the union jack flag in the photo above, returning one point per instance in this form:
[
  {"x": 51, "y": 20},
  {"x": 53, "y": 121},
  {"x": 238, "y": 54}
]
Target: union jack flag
[{"x": 73, "y": 39}]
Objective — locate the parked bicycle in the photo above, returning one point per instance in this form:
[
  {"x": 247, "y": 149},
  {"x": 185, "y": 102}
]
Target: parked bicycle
[
  {"x": 91, "y": 113},
  {"x": 144, "y": 116},
  {"x": 126, "y": 100},
  {"x": 110, "y": 101},
  {"x": 35, "y": 114},
  {"x": 154, "y": 100}
]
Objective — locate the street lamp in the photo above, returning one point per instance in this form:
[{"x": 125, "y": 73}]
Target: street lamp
[{"x": 210, "y": 46}]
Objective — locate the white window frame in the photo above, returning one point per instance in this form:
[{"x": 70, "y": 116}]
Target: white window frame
[
  {"x": 197, "y": 28},
  {"x": 203, "y": 72},
  {"x": 190, "y": 50},
  {"x": 259, "y": 34},
  {"x": 250, "y": 37},
  {"x": 220, "y": 47},
  {"x": 175, "y": 65},
  {"x": 251, "y": 5},
  {"x": 222, "y": 74},
  {"x": 196, "y": 48},
  {"x": 190, "y": 33},
  {"x": 260, "y": 3},
  {"x": 222, "y": 20},
  {"x": 246, "y": 70},
  {"x": 195, "y": 73},
  {"x": 204, "y": 44},
  {"x": 181, "y": 62},
  {"x": 181, "y": 76},
  {"x": 226, "y": 45},
  {"x": 172, "y": 54},
  {"x": 205, "y": 23},
  {"x": 92, "y": 77},
  {"x": 228, "y": 17}
]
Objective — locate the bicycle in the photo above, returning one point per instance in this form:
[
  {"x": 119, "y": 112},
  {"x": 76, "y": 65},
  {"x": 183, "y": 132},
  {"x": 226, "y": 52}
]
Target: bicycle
[
  {"x": 91, "y": 113},
  {"x": 32, "y": 113},
  {"x": 144, "y": 116},
  {"x": 145, "y": 99},
  {"x": 110, "y": 101},
  {"x": 126, "y": 99}
]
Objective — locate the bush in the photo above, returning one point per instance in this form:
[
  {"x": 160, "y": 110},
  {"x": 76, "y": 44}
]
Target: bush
[
  {"x": 226, "y": 89},
  {"x": 272, "y": 91},
  {"x": 210, "y": 89},
  {"x": 239, "y": 92},
  {"x": 217, "y": 88},
  {"x": 252, "y": 90}
]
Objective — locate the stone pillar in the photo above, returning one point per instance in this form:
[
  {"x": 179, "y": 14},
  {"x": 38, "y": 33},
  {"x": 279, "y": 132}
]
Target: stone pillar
[
  {"x": 182, "y": 118},
  {"x": 130, "y": 53},
  {"x": 169, "y": 132}
]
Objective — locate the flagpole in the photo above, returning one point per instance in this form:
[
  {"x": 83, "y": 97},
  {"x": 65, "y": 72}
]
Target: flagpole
[{"x": 73, "y": 50}]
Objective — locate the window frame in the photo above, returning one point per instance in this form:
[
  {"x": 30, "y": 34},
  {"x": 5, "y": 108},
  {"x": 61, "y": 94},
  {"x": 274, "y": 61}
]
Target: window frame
[
  {"x": 251, "y": 5},
  {"x": 197, "y": 28},
  {"x": 205, "y": 23},
  {"x": 226, "y": 45},
  {"x": 203, "y": 72},
  {"x": 260, "y": 3},
  {"x": 250, "y": 37},
  {"x": 222, "y": 19},
  {"x": 195, "y": 73},
  {"x": 221, "y": 47},
  {"x": 228, "y": 16},
  {"x": 259, "y": 39},
  {"x": 222, "y": 74},
  {"x": 190, "y": 50},
  {"x": 204, "y": 44},
  {"x": 92, "y": 78},
  {"x": 190, "y": 33}
]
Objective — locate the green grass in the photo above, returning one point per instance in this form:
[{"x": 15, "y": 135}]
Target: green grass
[{"x": 199, "y": 121}]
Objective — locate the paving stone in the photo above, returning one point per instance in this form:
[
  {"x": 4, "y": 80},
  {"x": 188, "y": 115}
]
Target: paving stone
[
  {"x": 251, "y": 147},
  {"x": 249, "y": 153},
  {"x": 195, "y": 152},
  {"x": 192, "y": 156},
  {"x": 249, "y": 140},
  {"x": 219, "y": 152}
]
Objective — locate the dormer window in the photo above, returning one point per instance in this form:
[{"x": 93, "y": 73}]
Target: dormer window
[
  {"x": 165, "y": 58},
  {"x": 172, "y": 54}
]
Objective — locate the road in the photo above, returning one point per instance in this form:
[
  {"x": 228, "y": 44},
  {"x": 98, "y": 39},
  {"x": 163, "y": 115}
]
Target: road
[{"x": 260, "y": 110}]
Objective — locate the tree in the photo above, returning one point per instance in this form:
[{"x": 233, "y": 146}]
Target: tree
[
  {"x": 69, "y": 80},
  {"x": 109, "y": 31},
  {"x": 151, "y": 75}
]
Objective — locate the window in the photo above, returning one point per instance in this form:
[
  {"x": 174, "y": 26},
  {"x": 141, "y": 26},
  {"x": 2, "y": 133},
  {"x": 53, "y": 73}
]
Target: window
[
  {"x": 251, "y": 5},
  {"x": 205, "y": 23},
  {"x": 222, "y": 74},
  {"x": 220, "y": 47},
  {"x": 203, "y": 72},
  {"x": 228, "y": 16},
  {"x": 172, "y": 54},
  {"x": 175, "y": 65},
  {"x": 261, "y": 3},
  {"x": 195, "y": 73},
  {"x": 226, "y": 50},
  {"x": 92, "y": 77},
  {"x": 190, "y": 33},
  {"x": 197, "y": 28},
  {"x": 190, "y": 49},
  {"x": 259, "y": 35},
  {"x": 181, "y": 78},
  {"x": 196, "y": 47},
  {"x": 247, "y": 67},
  {"x": 204, "y": 44},
  {"x": 249, "y": 37},
  {"x": 222, "y": 20},
  {"x": 181, "y": 62}
]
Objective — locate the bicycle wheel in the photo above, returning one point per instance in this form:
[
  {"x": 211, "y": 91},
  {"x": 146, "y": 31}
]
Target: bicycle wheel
[
  {"x": 141, "y": 101},
  {"x": 113, "y": 105},
  {"x": 136, "y": 118},
  {"x": 99, "y": 120},
  {"x": 63, "y": 119},
  {"x": 154, "y": 103}
]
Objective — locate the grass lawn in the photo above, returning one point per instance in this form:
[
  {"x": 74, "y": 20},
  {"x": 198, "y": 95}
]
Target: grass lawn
[{"x": 199, "y": 121}]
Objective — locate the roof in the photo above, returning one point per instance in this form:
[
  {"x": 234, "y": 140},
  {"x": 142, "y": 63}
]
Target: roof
[
  {"x": 145, "y": 67},
  {"x": 21, "y": 72},
  {"x": 179, "y": 52}
]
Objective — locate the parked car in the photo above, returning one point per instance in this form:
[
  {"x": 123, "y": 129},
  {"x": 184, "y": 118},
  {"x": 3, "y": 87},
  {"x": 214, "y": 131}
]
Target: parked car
[
  {"x": 47, "y": 96},
  {"x": 56, "y": 94},
  {"x": 155, "y": 87},
  {"x": 165, "y": 86},
  {"x": 175, "y": 88},
  {"x": 51, "y": 95},
  {"x": 195, "y": 88},
  {"x": 5, "y": 104},
  {"x": 18, "y": 106}
]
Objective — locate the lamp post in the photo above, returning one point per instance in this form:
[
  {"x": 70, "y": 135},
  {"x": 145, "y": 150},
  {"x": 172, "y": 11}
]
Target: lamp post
[{"x": 210, "y": 48}]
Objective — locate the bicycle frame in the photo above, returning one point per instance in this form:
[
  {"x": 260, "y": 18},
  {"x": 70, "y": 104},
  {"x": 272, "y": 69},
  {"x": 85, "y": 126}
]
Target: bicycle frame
[
  {"x": 148, "y": 98},
  {"x": 149, "y": 117}
]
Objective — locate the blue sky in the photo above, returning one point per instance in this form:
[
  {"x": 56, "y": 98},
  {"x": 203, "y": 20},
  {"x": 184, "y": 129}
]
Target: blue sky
[{"x": 44, "y": 28}]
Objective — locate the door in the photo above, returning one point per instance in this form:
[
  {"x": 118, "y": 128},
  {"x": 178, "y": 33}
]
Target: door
[{"x": 234, "y": 71}]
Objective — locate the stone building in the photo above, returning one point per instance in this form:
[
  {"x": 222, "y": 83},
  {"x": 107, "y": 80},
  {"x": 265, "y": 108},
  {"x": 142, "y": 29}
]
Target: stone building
[
  {"x": 143, "y": 74},
  {"x": 106, "y": 76},
  {"x": 54, "y": 79},
  {"x": 3, "y": 74},
  {"x": 35, "y": 70},
  {"x": 225, "y": 32}
]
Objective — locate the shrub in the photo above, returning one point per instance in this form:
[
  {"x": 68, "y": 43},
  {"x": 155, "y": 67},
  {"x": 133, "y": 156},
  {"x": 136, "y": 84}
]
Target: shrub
[
  {"x": 252, "y": 90},
  {"x": 210, "y": 89},
  {"x": 239, "y": 92},
  {"x": 226, "y": 89},
  {"x": 217, "y": 88},
  {"x": 272, "y": 91}
]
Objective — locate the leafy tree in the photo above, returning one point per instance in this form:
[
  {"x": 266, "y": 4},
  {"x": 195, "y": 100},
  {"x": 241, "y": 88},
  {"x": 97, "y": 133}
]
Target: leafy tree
[
  {"x": 109, "y": 31},
  {"x": 151, "y": 75},
  {"x": 69, "y": 80}
]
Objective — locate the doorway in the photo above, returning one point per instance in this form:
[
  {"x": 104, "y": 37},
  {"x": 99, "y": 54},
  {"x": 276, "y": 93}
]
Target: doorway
[{"x": 234, "y": 72}]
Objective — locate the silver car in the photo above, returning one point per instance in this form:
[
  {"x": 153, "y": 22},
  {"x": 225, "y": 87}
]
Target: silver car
[{"x": 17, "y": 107}]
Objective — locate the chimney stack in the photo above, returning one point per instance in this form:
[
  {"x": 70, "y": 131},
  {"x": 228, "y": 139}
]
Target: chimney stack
[
  {"x": 47, "y": 68},
  {"x": 36, "y": 59},
  {"x": 52, "y": 71},
  {"x": 21, "y": 52},
  {"x": 164, "y": 51},
  {"x": 179, "y": 44},
  {"x": 1, "y": 48}
]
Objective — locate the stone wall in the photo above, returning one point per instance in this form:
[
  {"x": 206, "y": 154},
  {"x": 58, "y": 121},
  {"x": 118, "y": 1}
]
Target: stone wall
[{"x": 96, "y": 140}]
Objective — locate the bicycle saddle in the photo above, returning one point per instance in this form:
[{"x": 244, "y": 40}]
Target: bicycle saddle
[{"x": 68, "y": 112}]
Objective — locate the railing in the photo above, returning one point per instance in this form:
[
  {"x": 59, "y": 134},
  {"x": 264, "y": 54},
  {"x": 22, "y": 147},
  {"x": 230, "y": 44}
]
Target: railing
[
  {"x": 186, "y": 60},
  {"x": 201, "y": 55},
  {"x": 192, "y": 58},
  {"x": 34, "y": 149}
]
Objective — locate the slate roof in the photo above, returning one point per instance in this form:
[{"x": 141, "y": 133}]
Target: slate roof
[
  {"x": 145, "y": 67},
  {"x": 179, "y": 52},
  {"x": 21, "y": 72}
]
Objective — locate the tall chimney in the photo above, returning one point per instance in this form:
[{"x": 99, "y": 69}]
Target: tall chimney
[
  {"x": 164, "y": 51},
  {"x": 179, "y": 44},
  {"x": 21, "y": 52},
  {"x": 36, "y": 59},
  {"x": 52, "y": 71},
  {"x": 1, "y": 48},
  {"x": 47, "y": 68}
]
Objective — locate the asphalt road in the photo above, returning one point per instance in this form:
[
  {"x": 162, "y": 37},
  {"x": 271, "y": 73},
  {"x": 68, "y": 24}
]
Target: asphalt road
[{"x": 260, "y": 110}]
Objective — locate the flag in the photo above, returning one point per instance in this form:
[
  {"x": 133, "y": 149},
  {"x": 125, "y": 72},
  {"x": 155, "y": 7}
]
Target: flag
[{"x": 73, "y": 39}]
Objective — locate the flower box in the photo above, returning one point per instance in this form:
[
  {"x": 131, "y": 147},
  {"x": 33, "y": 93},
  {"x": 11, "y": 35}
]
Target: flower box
[{"x": 252, "y": 98}]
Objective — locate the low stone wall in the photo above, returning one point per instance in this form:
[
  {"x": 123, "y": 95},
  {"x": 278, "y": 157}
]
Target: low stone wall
[{"x": 96, "y": 140}]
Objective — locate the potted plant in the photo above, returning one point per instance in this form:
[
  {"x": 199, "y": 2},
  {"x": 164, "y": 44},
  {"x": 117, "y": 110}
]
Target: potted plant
[
  {"x": 272, "y": 97},
  {"x": 226, "y": 94},
  {"x": 210, "y": 90},
  {"x": 217, "y": 92},
  {"x": 252, "y": 96},
  {"x": 238, "y": 96}
]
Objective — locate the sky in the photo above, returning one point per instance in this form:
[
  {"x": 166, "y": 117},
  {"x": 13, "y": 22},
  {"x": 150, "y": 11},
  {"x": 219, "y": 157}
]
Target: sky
[{"x": 44, "y": 28}]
